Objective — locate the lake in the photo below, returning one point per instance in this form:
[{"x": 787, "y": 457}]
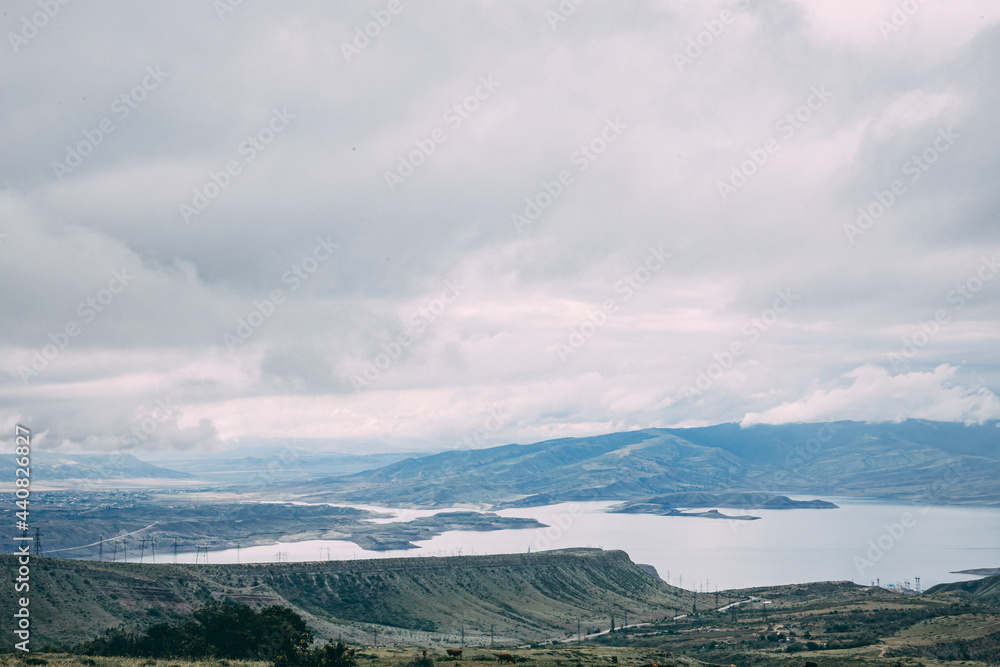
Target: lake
[{"x": 862, "y": 541}]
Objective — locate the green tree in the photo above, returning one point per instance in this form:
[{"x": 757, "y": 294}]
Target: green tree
[{"x": 225, "y": 630}]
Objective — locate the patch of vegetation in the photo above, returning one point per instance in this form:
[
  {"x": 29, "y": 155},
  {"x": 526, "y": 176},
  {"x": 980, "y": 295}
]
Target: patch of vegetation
[
  {"x": 984, "y": 649},
  {"x": 422, "y": 661},
  {"x": 226, "y": 630}
]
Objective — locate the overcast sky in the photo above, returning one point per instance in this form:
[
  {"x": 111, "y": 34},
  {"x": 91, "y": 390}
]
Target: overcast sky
[{"x": 395, "y": 224}]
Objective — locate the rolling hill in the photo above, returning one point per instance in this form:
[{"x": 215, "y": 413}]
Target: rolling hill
[
  {"x": 914, "y": 460},
  {"x": 615, "y": 466},
  {"x": 522, "y": 597},
  {"x": 986, "y": 590},
  {"x": 94, "y": 468}
]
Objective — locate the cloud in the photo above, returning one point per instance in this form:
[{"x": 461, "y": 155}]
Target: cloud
[
  {"x": 870, "y": 393},
  {"x": 534, "y": 141},
  {"x": 917, "y": 25}
]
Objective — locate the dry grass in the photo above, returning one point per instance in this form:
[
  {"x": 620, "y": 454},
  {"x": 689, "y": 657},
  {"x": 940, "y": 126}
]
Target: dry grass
[
  {"x": 557, "y": 656},
  {"x": 33, "y": 659},
  {"x": 950, "y": 628}
]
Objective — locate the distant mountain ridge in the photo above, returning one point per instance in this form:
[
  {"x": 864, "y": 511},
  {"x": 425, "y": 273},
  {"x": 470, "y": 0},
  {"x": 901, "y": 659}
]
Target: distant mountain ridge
[
  {"x": 56, "y": 467},
  {"x": 915, "y": 460},
  {"x": 281, "y": 465},
  {"x": 53, "y": 466}
]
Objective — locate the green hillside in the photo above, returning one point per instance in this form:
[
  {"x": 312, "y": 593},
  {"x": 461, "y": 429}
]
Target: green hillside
[{"x": 985, "y": 591}]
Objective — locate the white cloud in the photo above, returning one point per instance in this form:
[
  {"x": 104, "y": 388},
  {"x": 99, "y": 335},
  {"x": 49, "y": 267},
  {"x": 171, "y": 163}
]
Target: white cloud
[
  {"x": 870, "y": 393},
  {"x": 916, "y": 25},
  {"x": 524, "y": 292},
  {"x": 912, "y": 110}
]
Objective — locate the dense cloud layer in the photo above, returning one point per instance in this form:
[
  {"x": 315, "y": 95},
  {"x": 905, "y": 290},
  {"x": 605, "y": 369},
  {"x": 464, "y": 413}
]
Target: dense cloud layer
[{"x": 389, "y": 223}]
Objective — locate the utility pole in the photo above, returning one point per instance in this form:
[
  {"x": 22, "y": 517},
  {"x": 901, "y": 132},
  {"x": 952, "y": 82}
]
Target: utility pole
[
  {"x": 463, "y": 634},
  {"x": 579, "y": 636},
  {"x": 38, "y": 542},
  {"x": 100, "y": 550},
  {"x": 142, "y": 549},
  {"x": 175, "y": 551},
  {"x": 374, "y": 636},
  {"x": 114, "y": 555},
  {"x": 491, "y": 635},
  {"x": 152, "y": 548}
]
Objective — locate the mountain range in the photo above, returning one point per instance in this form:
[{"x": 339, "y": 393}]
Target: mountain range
[
  {"x": 915, "y": 460},
  {"x": 95, "y": 468}
]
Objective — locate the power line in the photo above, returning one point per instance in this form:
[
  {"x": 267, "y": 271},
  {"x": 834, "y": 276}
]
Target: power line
[{"x": 94, "y": 544}]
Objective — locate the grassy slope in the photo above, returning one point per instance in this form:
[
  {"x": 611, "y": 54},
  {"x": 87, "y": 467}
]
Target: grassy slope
[
  {"x": 392, "y": 657},
  {"x": 904, "y": 631},
  {"x": 525, "y": 596},
  {"x": 896, "y": 630},
  {"x": 986, "y": 590}
]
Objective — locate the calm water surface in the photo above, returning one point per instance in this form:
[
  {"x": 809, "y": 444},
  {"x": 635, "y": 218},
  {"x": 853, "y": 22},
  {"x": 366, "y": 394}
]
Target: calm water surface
[{"x": 860, "y": 541}]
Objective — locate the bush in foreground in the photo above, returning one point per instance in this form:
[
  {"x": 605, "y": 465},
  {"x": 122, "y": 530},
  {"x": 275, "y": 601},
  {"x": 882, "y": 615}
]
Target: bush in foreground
[{"x": 229, "y": 631}]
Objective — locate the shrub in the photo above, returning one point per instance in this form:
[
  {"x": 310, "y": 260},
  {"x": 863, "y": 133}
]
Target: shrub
[
  {"x": 422, "y": 661},
  {"x": 217, "y": 630},
  {"x": 334, "y": 655}
]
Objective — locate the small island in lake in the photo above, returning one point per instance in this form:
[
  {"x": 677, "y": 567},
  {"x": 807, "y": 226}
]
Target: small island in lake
[
  {"x": 649, "y": 508},
  {"x": 671, "y": 504}
]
